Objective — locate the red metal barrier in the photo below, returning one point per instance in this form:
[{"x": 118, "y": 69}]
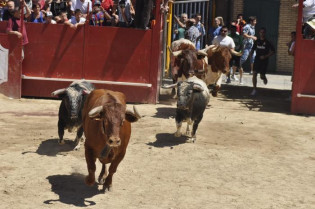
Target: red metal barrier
[
  {"x": 303, "y": 89},
  {"x": 12, "y": 88},
  {"x": 121, "y": 59}
]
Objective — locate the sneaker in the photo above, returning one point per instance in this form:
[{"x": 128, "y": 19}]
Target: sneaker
[
  {"x": 265, "y": 81},
  {"x": 228, "y": 80},
  {"x": 235, "y": 78},
  {"x": 241, "y": 81},
  {"x": 253, "y": 92},
  {"x": 251, "y": 73}
]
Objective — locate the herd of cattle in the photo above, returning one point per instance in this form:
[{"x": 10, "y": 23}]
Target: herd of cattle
[{"x": 106, "y": 122}]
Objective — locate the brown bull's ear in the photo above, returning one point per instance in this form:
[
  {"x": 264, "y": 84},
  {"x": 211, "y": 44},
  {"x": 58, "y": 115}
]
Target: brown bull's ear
[{"x": 132, "y": 116}]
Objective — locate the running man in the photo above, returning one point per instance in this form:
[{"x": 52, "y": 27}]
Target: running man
[{"x": 264, "y": 50}]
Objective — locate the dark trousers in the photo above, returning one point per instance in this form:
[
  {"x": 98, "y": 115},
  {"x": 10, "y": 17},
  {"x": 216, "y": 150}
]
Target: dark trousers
[{"x": 143, "y": 13}]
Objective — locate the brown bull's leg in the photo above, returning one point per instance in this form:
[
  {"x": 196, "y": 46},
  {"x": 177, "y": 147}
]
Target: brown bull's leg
[
  {"x": 103, "y": 174},
  {"x": 90, "y": 160},
  {"x": 112, "y": 169}
]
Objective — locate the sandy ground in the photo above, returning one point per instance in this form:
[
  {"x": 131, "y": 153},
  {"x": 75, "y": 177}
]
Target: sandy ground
[{"x": 249, "y": 153}]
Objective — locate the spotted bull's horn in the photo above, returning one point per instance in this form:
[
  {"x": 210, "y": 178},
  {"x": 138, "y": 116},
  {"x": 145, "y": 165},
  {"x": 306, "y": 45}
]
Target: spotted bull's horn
[
  {"x": 175, "y": 54},
  {"x": 169, "y": 86},
  {"x": 197, "y": 87},
  {"x": 59, "y": 91},
  {"x": 169, "y": 48},
  {"x": 95, "y": 111}
]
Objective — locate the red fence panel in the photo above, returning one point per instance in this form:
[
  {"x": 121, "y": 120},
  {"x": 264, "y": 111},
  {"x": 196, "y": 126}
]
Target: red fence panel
[
  {"x": 120, "y": 59},
  {"x": 303, "y": 89},
  {"x": 12, "y": 88}
]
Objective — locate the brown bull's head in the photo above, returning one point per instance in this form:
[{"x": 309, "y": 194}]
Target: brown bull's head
[
  {"x": 112, "y": 117},
  {"x": 219, "y": 58}
]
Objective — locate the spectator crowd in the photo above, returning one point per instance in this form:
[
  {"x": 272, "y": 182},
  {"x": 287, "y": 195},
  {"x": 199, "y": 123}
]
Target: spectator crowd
[{"x": 119, "y": 13}]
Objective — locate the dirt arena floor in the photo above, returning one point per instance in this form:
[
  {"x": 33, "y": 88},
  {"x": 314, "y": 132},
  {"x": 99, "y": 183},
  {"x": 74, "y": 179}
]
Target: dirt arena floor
[{"x": 250, "y": 153}]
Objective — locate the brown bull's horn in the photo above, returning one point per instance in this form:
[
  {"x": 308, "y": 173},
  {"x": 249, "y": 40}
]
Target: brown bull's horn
[
  {"x": 175, "y": 54},
  {"x": 202, "y": 52},
  {"x": 95, "y": 111},
  {"x": 235, "y": 53},
  {"x": 133, "y": 112},
  {"x": 136, "y": 112},
  {"x": 212, "y": 47},
  {"x": 169, "y": 86}
]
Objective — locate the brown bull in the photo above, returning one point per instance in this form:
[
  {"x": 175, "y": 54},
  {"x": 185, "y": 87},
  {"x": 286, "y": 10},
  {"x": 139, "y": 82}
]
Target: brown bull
[{"x": 107, "y": 129}]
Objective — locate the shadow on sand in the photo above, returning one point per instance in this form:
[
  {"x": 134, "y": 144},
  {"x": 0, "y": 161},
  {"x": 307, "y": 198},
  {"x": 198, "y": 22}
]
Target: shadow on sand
[
  {"x": 167, "y": 140},
  {"x": 266, "y": 100},
  {"x": 51, "y": 147},
  {"x": 165, "y": 112},
  {"x": 72, "y": 190}
]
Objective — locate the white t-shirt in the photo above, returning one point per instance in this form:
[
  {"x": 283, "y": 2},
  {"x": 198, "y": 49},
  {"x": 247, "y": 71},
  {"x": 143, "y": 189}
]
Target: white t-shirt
[
  {"x": 308, "y": 10},
  {"x": 77, "y": 4},
  {"x": 51, "y": 22},
  {"x": 224, "y": 41},
  {"x": 74, "y": 21}
]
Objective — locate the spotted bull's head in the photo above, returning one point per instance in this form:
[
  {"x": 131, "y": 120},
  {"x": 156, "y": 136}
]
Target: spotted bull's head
[
  {"x": 185, "y": 94},
  {"x": 72, "y": 99}
]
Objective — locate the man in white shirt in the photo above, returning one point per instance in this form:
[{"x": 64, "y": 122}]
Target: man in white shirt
[
  {"x": 223, "y": 39},
  {"x": 84, "y": 5}
]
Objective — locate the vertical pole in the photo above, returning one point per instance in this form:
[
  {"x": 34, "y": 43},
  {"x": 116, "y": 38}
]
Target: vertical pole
[
  {"x": 169, "y": 38},
  {"x": 85, "y": 41},
  {"x": 297, "y": 60}
]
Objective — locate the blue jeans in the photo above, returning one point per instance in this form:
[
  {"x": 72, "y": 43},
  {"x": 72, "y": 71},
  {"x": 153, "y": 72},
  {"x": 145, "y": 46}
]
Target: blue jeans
[{"x": 246, "y": 54}]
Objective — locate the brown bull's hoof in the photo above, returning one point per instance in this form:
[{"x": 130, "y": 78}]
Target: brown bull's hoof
[
  {"x": 108, "y": 188},
  {"x": 90, "y": 181},
  {"x": 214, "y": 93}
]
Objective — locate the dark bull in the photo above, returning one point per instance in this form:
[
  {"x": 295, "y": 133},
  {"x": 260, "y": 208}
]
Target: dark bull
[{"x": 70, "y": 110}]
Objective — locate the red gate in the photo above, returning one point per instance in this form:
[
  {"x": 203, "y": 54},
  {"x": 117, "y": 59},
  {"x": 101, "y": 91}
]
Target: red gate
[
  {"x": 12, "y": 88},
  {"x": 303, "y": 91},
  {"x": 120, "y": 59}
]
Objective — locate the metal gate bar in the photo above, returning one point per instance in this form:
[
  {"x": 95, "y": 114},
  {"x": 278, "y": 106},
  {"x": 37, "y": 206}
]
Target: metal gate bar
[{"x": 192, "y": 7}]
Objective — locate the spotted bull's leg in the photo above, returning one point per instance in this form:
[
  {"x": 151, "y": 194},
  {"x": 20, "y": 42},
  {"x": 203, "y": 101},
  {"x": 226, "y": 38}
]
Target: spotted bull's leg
[
  {"x": 112, "y": 169},
  {"x": 178, "y": 126},
  {"x": 103, "y": 174},
  {"x": 90, "y": 161},
  {"x": 78, "y": 138},
  {"x": 193, "y": 133},
  {"x": 188, "y": 132},
  {"x": 61, "y": 131}
]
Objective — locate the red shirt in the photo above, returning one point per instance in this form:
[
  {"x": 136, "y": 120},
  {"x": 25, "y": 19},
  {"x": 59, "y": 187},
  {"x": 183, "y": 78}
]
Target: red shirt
[
  {"x": 107, "y": 5},
  {"x": 15, "y": 25}
]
